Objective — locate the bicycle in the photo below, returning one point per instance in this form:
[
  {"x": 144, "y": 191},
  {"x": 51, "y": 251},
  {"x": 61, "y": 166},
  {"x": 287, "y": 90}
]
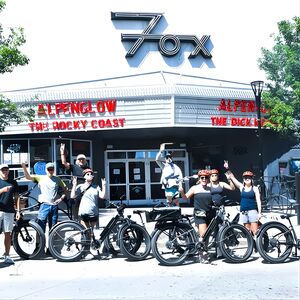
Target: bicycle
[
  {"x": 275, "y": 241},
  {"x": 28, "y": 238},
  {"x": 176, "y": 239},
  {"x": 71, "y": 241}
]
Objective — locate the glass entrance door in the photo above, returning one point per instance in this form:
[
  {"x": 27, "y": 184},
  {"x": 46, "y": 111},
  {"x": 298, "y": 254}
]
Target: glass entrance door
[{"x": 134, "y": 176}]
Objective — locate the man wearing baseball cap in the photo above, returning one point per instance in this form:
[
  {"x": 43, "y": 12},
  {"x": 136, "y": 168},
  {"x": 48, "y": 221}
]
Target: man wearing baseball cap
[
  {"x": 76, "y": 170},
  {"x": 8, "y": 192},
  {"x": 49, "y": 185}
]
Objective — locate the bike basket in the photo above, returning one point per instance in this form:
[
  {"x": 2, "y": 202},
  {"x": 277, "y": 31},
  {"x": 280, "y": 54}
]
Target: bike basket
[{"x": 163, "y": 214}]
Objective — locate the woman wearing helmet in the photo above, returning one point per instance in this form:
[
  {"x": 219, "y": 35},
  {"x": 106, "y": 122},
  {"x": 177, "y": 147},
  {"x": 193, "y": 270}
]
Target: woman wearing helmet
[
  {"x": 250, "y": 205},
  {"x": 203, "y": 212},
  {"x": 217, "y": 187},
  {"x": 171, "y": 175},
  {"x": 89, "y": 193}
]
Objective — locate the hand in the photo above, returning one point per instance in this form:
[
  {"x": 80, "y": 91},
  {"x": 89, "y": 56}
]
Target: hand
[
  {"x": 74, "y": 180},
  {"x": 18, "y": 215},
  {"x": 163, "y": 146},
  {"x": 226, "y": 164},
  {"x": 6, "y": 189},
  {"x": 23, "y": 164},
  {"x": 103, "y": 181}
]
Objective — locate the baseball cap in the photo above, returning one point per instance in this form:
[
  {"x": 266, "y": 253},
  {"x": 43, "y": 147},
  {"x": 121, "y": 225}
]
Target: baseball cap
[
  {"x": 49, "y": 165},
  {"x": 3, "y": 166},
  {"x": 81, "y": 156}
]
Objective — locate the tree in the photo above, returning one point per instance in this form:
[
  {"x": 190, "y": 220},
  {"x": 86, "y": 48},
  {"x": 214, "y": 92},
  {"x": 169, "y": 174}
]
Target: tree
[
  {"x": 282, "y": 67},
  {"x": 11, "y": 57}
]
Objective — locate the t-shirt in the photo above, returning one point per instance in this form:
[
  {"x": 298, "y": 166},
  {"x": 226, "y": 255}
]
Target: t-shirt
[
  {"x": 78, "y": 171},
  {"x": 49, "y": 187},
  {"x": 89, "y": 200},
  {"x": 7, "y": 198}
]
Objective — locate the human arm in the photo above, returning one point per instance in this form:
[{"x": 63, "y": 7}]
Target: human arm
[
  {"x": 17, "y": 203},
  {"x": 64, "y": 188},
  {"x": 26, "y": 173},
  {"x": 73, "y": 190},
  {"x": 258, "y": 199},
  {"x": 102, "y": 192},
  {"x": 230, "y": 176},
  {"x": 63, "y": 156},
  {"x": 188, "y": 195}
]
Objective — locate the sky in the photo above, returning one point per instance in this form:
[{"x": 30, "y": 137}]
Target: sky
[{"x": 73, "y": 40}]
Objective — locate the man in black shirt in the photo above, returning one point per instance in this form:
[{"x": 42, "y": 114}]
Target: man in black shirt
[
  {"x": 8, "y": 192},
  {"x": 76, "y": 170}
]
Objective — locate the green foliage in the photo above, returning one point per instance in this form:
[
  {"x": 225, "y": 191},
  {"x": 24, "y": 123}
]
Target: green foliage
[
  {"x": 282, "y": 67},
  {"x": 11, "y": 57}
]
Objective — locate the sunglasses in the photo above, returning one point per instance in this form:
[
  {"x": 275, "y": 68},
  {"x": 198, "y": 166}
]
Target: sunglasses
[
  {"x": 203, "y": 177},
  {"x": 50, "y": 169},
  {"x": 89, "y": 174},
  {"x": 5, "y": 169},
  {"x": 248, "y": 177}
]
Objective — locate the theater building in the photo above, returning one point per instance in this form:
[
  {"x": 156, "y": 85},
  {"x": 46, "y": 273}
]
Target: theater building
[{"x": 119, "y": 122}]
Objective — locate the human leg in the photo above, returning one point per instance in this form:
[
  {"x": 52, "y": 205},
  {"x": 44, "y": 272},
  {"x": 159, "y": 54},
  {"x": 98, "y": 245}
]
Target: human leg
[
  {"x": 43, "y": 214},
  {"x": 8, "y": 221}
]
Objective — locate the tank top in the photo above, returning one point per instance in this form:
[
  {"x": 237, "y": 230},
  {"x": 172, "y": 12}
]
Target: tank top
[
  {"x": 217, "y": 194},
  {"x": 248, "y": 201},
  {"x": 203, "y": 201}
]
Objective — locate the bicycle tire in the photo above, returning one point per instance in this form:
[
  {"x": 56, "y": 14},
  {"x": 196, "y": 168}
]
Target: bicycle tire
[
  {"x": 278, "y": 247},
  {"x": 28, "y": 240},
  {"x": 171, "y": 243},
  {"x": 236, "y": 243},
  {"x": 69, "y": 242},
  {"x": 135, "y": 241},
  {"x": 111, "y": 242}
]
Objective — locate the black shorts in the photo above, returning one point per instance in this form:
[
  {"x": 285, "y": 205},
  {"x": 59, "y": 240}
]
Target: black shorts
[{"x": 89, "y": 218}]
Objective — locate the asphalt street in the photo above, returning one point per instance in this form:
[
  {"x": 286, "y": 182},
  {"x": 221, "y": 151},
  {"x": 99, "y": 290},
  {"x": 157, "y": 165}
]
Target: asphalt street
[{"x": 118, "y": 278}]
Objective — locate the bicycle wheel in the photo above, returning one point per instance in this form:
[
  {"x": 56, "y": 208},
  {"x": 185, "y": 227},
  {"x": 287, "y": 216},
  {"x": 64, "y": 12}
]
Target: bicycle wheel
[
  {"x": 279, "y": 244},
  {"x": 28, "y": 239},
  {"x": 236, "y": 243},
  {"x": 69, "y": 242},
  {"x": 135, "y": 241},
  {"x": 171, "y": 243},
  {"x": 111, "y": 242}
]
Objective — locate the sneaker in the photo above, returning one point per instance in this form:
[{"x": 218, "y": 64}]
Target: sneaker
[
  {"x": 9, "y": 260},
  {"x": 2, "y": 256},
  {"x": 204, "y": 258}
]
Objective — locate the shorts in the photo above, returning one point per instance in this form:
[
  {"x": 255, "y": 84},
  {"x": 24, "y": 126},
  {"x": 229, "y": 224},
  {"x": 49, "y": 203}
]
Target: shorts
[
  {"x": 204, "y": 220},
  {"x": 6, "y": 221},
  {"x": 249, "y": 216},
  {"x": 88, "y": 218},
  {"x": 172, "y": 192}
]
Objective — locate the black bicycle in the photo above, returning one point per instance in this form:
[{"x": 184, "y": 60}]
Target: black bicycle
[
  {"x": 276, "y": 241},
  {"x": 175, "y": 238},
  {"x": 71, "y": 241},
  {"x": 28, "y": 238}
]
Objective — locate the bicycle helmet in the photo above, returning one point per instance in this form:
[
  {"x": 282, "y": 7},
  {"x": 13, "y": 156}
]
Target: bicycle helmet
[
  {"x": 203, "y": 173},
  {"x": 87, "y": 171},
  {"x": 248, "y": 173},
  {"x": 214, "y": 171}
]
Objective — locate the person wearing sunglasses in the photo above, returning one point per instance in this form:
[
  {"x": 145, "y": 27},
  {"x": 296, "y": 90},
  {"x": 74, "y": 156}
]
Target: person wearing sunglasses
[
  {"x": 203, "y": 211},
  {"x": 217, "y": 187},
  {"x": 171, "y": 175},
  {"x": 52, "y": 191},
  {"x": 250, "y": 205},
  {"x": 89, "y": 194},
  {"x": 75, "y": 170}
]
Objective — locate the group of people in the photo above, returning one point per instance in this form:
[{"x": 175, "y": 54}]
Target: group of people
[
  {"x": 208, "y": 192},
  {"x": 53, "y": 190}
]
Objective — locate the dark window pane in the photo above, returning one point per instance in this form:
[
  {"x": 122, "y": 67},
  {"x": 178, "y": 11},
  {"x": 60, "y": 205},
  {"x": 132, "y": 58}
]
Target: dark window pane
[
  {"x": 81, "y": 147},
  {"x": 116, "y": 155},
  {"x": 117, "y": 173}
]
